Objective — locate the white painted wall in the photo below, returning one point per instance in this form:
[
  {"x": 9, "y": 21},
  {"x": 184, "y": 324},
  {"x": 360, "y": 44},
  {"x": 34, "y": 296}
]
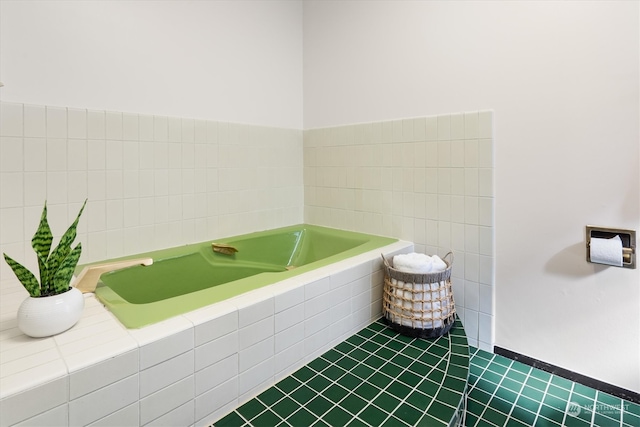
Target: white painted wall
[
  {"x": 236, "y": 61},
  {"x": 562, "y": 78}
]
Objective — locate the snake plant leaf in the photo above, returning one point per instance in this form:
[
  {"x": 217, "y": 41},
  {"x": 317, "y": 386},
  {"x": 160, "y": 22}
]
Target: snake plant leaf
[
  {"x": 26, "y": 277},
  {"x": 63, "y": 250},
  {"x": 62, "y": 277},
  {"x": 41, "y": 243}
]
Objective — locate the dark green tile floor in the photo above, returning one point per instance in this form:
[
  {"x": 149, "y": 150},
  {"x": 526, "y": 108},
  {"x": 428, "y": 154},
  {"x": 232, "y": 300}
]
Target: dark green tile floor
[
  {"x": 503, "y": 392},
  {"x": 376, "y": 377}
]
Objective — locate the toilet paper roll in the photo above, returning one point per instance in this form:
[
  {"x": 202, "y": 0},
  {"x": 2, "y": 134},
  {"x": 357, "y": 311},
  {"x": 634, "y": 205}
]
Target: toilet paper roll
[{"x": 606, "y": 251}]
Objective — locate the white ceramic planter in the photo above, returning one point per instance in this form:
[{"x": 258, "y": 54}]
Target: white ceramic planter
[{"x": 46, "y": 316}]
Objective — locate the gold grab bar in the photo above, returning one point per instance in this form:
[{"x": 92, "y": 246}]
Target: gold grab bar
[{"x": 88, "y": 278}]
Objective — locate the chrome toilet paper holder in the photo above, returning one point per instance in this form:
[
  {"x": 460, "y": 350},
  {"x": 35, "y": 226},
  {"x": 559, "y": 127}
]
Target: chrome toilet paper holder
[{"x": 628, "y": 238}]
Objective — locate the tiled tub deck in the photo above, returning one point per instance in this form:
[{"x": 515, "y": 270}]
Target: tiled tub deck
[
  {"x": 376, "y": 377},
  {"x": 190, "y": 369}
]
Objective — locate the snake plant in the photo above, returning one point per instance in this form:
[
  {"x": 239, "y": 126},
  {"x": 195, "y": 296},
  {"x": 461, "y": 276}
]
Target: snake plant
[{"x": 57, "y": 266}]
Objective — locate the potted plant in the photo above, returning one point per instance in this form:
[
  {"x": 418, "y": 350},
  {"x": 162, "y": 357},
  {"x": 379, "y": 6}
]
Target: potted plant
[{"x": 53, "y": 306}]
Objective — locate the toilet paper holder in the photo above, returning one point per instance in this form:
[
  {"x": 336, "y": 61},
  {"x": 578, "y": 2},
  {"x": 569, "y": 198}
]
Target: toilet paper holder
[{"x": 628, "y": 238}]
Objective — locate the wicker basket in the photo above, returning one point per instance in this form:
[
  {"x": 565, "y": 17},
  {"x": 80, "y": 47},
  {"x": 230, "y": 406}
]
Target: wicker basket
[{"x": 419, "y": 305}]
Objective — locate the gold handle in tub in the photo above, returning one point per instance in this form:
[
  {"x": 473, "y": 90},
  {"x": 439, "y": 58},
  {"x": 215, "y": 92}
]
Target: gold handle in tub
[
  {"x": 223, "y": 248},
  {"x": 88, "y": 278}
]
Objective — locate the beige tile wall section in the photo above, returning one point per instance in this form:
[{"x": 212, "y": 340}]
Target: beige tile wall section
[
  {"x": 151, "y": 181},
  {"x": 428, "y": 180}
]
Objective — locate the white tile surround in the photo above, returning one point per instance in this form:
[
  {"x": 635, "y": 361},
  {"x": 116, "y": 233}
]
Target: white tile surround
[
  {"x": 190, "y": 369},
  {"x": 428, "y": 180},
  {"x": 156, "y": 182}
]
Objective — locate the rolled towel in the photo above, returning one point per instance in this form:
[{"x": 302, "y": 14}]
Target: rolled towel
[
  {"x": 413, "y": 263},
  {"x": 438, "y": 264}
]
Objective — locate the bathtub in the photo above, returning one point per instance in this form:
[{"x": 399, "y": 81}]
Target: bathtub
[{"x": 186, "y": 278}]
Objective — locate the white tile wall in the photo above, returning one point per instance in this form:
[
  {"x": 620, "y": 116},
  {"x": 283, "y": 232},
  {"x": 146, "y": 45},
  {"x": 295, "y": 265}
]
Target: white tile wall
[
  {"x": 428, "y": 180},
  {"x": 152, "y": 181}
]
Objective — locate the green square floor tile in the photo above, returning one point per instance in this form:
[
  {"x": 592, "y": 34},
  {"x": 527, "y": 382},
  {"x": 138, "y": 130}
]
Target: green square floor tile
[
  {"x": 380, "y": 380},
  {"x": 349, "y": 381},
  {"x": 521, "y": 367},
  {"x": 440, "y": 411},
  {"x": 570, "y": 421},
  {"x": 510, "y": 384},
  {"x": 333, "y": 372},
  {"x": 454, "y": 383},
  {"x": 305, "y": 373},
  {"x": 344, "y": 347},
  {"x": 494, "y": 416},
  {"x": 317, "y": 365},
  {"x": 475, "y": 408},
  {"x": 346, "y": 363},
  {"x": 408, "y": 414},
  {"x": 420, "y": 368},
  {"x": 409, "y": 378},
  {"x": 391, "y": 369},
  {"x": 353, "y": 403},
  {"x": 419, "y": 400},
  {"x": 366, "y": 391},
  {"x": 231, "y": 420},
  {"x": 303, "y": 395},
  {"x": 630, "y": 419},
  {"x": 470, "y": 419},
  {"x": 558, "y": 392},
  {"x": 362, "y": 371},
  {"x": 505, "y": 361},
  {"x": 485, "y": 385},
  {"x": 608, "y": 400},
  {"x": 370, "y": 346},
  {"x": 372, "y": 415},
  {"x": 584, "y": 391},
  {"x": 267, "y": 418},
  {"x": 396, "y": 346},
  {"x": 358, "y": 354},
  {"x": 320, "y": 423},
  {"x": 355, "y": 340},
  {"x": 497, "y": 368},
  {"x": 319, "y": 405},
  {"x": 428, "y": 387},
  {"x": 551, "y": 413},
  {"x": 332, "y": 355},
  {"x": 438, "y": 351},
  {"x": 318, "y": 383},
  {"x": 270, "y": 396},
  {"x": 285, "y": 407},
  {"x": 632, "y": 408},
  {"x": 480, "y": 395},
  {"x": 251, "y": 409},
  {"x": 554, "y": 402},
  {"x": 398, "y": 390},
  {"x": 337, "y": 417},
  {"x": 500, "y": 405},
  {"x": 507, "y": 395},
  {"x": 449, "y": 397},
  {"x": 401, "y": 360},
  {"x": 479, "y": 362},
  {"x": 357, "y": 423},
  {"x": 527, "y": 417},
  {"x": 541, "y": 375},
  {"x": 394, "y": 422},
  {"x": 367, "y": 333},
  {"x": 516, "y": 375},
  {"x": 532, "y": 393},
  {"x": 335, "y": 393},
  {"x": 385, "y": 353},
  {"x": 458, "y": 372},
  {"x": 606, "y": 420},
  {"x": 528, "y": 404},
  {"x": 512, "y": 422},
  {"x": 421, "y": 345},
  {"x": 561, "y": 382},
  {"x": 412, "y": 352},
  {"x": 492, "y": 376},
  {"x": 302, "y": 417},
  {"x": 386, "y": 402},
  {"x": 374, "y": 361},
  {"x": 287, "y": 385}
]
